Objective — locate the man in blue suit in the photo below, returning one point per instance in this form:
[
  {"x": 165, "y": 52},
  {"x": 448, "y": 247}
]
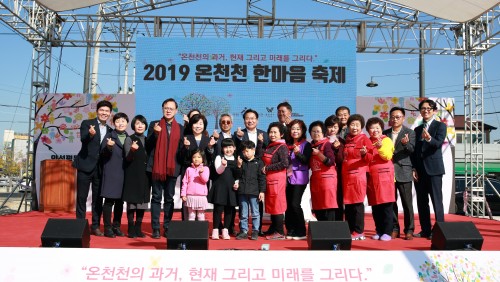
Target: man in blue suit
[
  {"x": 92, "y": 132},
  {"x": 428, "y": 166}
]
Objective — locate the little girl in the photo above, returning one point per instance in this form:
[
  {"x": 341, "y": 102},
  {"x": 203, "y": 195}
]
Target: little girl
[
  {"x": 194, "y": 186},
  {"x": 223, "y": 194}
]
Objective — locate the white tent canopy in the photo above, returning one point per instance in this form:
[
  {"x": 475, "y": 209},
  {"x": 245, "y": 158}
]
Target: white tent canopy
[
  {"x": 64, "y": 5},
  {"x": 452, "y": 10}
]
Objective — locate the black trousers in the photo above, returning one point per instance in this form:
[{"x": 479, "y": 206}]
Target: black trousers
[
  {"x": 294, "y": 215},
  {"x": 383, "y": 217},
  {"x": 429, "y": 185},
  {"x": 83, "y": 182},
  {"x": 355, "y": 216},
  {"x": 405, "y": 193},
  {"x": 277, "y": 223},
  {"x": 115, "y": 207},
  {"x": 325, "y": 215},
  {"x": 217, "y": 218}
]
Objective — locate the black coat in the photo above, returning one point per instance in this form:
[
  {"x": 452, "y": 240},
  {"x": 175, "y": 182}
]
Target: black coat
[
  {"x": 113, "y": 172},
  {"x": 222, "y": 192},
  {"x": 151, "y": 147},
  {"x": 88, "y": 157},
  {"x": 137, "y": 187},
  {"x": 252, "y": 180}
]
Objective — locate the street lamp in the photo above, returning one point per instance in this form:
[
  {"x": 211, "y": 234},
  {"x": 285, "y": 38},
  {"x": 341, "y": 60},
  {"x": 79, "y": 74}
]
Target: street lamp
[{"x": 373, "y": 83}]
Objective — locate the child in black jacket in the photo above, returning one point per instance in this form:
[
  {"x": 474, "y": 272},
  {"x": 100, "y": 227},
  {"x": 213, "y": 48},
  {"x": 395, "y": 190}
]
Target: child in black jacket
[{"x": 251, "y": 188}]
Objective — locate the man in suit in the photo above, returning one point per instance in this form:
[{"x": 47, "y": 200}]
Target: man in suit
[
  {"x": 428, "y": 166},
  {"x": 404, "y": 145},
  {"x": 92, "y": 132},
  {"x": 165, "y": 140},
  {"x": 284, "y": 113},
  {"x": 250, "y": 132},
  {"x": 343, "y": 113},
  {"x": 259, "y": 137}
]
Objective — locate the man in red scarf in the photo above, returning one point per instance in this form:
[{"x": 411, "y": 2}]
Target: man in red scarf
[{"x": 165, "y": 137}]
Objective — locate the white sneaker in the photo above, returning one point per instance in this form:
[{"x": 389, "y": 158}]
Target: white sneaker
[
  {"x": 225, "y": 234},
  {"x": 215, "y": 234}
]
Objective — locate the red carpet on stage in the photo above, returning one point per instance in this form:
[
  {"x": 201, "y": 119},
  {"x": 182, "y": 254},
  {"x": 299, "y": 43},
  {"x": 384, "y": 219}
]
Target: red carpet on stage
[{"x": 25, "y": 229}]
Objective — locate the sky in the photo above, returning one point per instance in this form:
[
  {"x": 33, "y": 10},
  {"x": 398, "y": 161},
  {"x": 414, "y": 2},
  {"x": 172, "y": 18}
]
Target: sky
[{"x": 443, "y": 73}]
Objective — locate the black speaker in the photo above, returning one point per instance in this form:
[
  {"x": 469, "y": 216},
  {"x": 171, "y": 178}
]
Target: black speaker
[
  {"x": 329, "y": 235},
  {"x": 66, "y": 233},
  {"x": 187, "y": 235},
  {"x": 456, "y": 236}
]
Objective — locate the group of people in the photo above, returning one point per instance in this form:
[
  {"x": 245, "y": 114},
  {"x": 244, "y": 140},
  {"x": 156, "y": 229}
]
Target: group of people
[{"x": 257, "y": 171}]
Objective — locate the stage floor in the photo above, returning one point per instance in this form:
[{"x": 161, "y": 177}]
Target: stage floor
[{"x": 25, "y": 229}]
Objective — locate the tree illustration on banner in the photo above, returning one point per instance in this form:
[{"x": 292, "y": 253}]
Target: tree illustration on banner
[
  {"x": 195, "y": 101},
  {"x": 219, "y": 106},
  {"x": 213, "y": 106}
]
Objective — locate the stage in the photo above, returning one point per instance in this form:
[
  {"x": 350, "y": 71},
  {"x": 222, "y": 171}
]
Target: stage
[
  {"x": 146, "y": 259},
  {"x": 25, "y": 229}
]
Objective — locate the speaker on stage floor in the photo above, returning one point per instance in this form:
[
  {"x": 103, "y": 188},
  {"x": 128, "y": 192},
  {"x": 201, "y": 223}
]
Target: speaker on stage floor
[
  {"x": 66, "y": 233},
  {"x": 187, "y": 235},
  {"x": 329, "y": 235},
  {"x": 456, "y": 236}
]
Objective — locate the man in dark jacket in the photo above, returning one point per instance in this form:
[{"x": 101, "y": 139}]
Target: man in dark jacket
[
  {"x": 404, "y": 144},
  {"x": 165, "y": 137},
  {"x": 251, "y": 188},
  {"x": 92, "y": 132},
  {"x": 428, "y": 167}
]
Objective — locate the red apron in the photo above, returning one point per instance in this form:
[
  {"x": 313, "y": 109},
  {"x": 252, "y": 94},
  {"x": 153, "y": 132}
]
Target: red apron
[
  {"x": 275, "y": 201},
  {"x": 323, "y": 184}
]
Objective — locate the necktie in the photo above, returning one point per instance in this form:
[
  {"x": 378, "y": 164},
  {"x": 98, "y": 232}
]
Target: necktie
[{"x": 426, "y": 127}]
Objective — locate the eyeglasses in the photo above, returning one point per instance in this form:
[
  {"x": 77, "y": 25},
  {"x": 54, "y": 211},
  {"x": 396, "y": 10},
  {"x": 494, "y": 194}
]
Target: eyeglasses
[
  {"x": 396, "y": 117},
  {"x": 169, "y": 109},
  {"x": 225, "y": 122},
  {"x": 426, "y": 109}
]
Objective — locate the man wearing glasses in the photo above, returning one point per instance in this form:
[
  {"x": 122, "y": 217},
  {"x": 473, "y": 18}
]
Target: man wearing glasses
[
  {"x": 225, "y": 124},
  {"x": 404, "y": 145},
  {"x": 428, "y": 167},
  {"x": 164, "y": 141}
]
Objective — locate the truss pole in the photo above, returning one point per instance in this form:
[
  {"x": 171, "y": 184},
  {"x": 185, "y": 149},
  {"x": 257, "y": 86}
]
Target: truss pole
[{"x": 474, "y": 121}]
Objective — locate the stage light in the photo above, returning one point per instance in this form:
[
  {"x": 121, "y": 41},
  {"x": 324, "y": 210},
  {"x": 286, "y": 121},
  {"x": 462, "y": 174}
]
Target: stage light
[{"x": 373, "y": 83}]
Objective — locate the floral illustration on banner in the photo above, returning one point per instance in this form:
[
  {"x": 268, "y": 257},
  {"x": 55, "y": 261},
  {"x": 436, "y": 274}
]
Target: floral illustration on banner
[
  {"x": 450, "y": 266},
  {"x": 58, "y": 116},
  {"x": 445, "y": 112}
]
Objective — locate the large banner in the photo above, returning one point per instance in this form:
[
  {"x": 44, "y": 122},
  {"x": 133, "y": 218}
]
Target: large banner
[
  {"x": 220, "y": 76},
  {"x": 380, "y": 107},
  {"x": 57, "y": 123}
]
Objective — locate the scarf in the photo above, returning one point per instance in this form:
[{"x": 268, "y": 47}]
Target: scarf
[
  {"x": 292, "y": 146},
  {"x": 276, "y": 143},
  {"x": 165, "y": 151},
  {"x": 319, "y": 144}
]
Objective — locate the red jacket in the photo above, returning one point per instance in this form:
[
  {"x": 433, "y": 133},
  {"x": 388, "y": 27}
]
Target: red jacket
[{"x": 355, "y": 167}]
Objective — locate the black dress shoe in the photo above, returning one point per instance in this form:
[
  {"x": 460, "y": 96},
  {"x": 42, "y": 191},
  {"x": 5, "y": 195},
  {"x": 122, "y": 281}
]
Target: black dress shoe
[
  {"x": 156, "y": 234},
  {"x": 118, "y": 232},
  {"x": 109, "y": 233},
  {"x": 423, "y": 235},
  {"x": 165, "y": 233},
  {"x": 97, "y": 232}
]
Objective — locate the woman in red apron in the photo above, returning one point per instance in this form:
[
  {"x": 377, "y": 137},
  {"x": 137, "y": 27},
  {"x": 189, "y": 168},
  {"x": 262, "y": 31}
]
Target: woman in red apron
[
  {"x": 324, "y": 175},
  {"x": 276, "y": 162},
  {"x": 380, "y": 192},
  {"x": 357, "y": 156}
]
